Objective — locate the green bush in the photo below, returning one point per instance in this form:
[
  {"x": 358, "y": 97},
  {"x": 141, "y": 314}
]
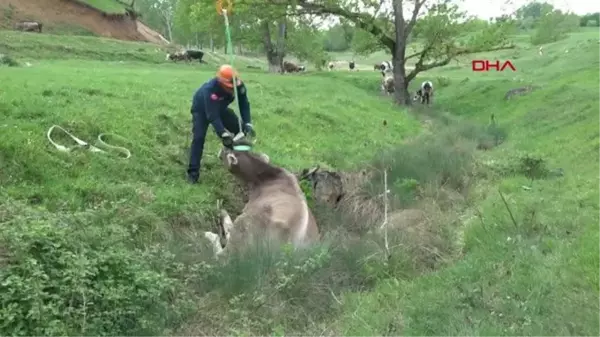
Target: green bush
[
  {"x": 76, "y": 275},
  {"x": 553, "y": 27},
  {"x": 265, "y": 289},
  {"x": 8, "y": 61},
  {"x": 442, "y": 159}
]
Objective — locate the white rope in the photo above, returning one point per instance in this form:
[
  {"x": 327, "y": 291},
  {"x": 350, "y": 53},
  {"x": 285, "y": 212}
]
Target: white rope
[{"x": 83, "y": 144}]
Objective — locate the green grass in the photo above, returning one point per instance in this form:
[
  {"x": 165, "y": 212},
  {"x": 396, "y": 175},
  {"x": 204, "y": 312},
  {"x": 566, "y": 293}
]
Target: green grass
[
  {"x": 107, "y": 6},
  {"x": 100, "y": 49},
  {"x": 141, "y": 204},
  {"x": 94, "y": 244},
  {"x": 540, "y": 275}
]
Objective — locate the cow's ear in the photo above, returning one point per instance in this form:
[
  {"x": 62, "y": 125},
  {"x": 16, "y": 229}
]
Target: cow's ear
[
  {"x": 231, "y": 159},
  {"x": 264, "y": 157}
]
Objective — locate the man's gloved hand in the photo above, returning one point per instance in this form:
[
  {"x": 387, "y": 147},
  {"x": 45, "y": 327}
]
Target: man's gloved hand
[
  {"x": 248, "y": 130},
  {"x": 227, "y": 140}
]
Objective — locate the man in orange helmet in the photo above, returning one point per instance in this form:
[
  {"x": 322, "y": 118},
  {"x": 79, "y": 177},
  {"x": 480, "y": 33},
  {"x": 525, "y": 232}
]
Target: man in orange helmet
[{"x": 210, "y": 105}]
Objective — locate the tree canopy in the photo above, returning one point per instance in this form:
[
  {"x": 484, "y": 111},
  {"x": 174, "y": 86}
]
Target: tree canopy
[{"x": 423, "y": 33}]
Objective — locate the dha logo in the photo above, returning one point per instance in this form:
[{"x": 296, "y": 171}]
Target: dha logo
[{"x": 486, "y": 65}]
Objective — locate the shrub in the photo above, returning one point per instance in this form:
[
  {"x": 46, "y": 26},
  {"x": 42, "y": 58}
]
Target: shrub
[
  {"x": 443, "y": 159},
  {"x": 553, "y": 27},
  {"x": 8, "y": 61},
  {"x": 61, "y": 279}
]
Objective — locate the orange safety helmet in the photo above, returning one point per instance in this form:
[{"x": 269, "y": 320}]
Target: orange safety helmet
[{"x": 225, "y": 76}]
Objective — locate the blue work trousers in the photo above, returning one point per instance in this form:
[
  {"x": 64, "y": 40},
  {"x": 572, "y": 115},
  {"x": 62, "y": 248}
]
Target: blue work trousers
[{"x": 200, "y": 125}]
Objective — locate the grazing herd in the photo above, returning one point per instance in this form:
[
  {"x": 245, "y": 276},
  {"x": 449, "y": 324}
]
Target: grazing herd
[
  {"x": 334, "y": 64},
  {"x": 386, "y": 68},
  {"x": 186, "y": 55}
]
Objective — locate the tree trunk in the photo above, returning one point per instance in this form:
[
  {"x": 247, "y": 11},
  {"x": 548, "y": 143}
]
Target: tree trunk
[
  {"x": 212, "y": 43},
  {"x": 401, "y": 94},
  {"x": 273, "y": 55},
  {"x": 281, "y": 36},
  {"x": 169, "y": 31}
]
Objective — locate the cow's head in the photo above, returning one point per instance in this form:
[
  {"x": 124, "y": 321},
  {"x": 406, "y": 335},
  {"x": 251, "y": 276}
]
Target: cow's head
[
  {"x": 247, "y": 166},
  {"x": 302, "y": 68},
  {"x": 418, "y": 95},
  {"x": 327, "y": 186}
]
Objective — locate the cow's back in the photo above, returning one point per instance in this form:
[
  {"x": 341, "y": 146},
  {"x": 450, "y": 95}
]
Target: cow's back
[{"x": 279, "y": 208}]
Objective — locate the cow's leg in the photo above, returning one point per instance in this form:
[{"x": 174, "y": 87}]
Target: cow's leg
[
  {"x": 227, "y": 225},
  {"x": 215, "y": 240}
]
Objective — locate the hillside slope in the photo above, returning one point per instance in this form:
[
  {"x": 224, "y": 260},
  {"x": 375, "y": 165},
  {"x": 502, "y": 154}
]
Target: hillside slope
[
  {"x": 72, "y": 17},
  {"x": 131, "y": 209},
  {"x": 94, "y": 244},
  {"x": 530, "y": 266}
]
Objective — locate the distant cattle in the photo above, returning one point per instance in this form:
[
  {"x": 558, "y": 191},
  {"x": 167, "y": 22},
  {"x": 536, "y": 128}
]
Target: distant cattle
[
  {"x": 29, "y": 26},
  {"x": 387, "y": 83},
  {"x": 195, "y": 55},
  {"x": 289, "y": 67},
  {"x": 351, "y": 65},
  {"x": 186, "y": 55},
  {"x": 277, "y": 209},
  {"x": 330, "y": 66},
  {"x": 385, "y": 67},
  {"x": 176, "y": 56},
  {"x": 424, "y": 93}
]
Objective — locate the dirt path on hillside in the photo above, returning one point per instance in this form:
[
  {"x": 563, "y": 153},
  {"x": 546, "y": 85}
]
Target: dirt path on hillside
[
  {"x": 56, "y": 12},
  {"x": 151, "y": 35}
]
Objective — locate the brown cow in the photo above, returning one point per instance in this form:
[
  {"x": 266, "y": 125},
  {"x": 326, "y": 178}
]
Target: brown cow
[
  {"x": 276, "y": 209},
  {"x": 387, "y": 83},
  {"x": 29, "y": 26},
  {"x": 289, "y": 67}
]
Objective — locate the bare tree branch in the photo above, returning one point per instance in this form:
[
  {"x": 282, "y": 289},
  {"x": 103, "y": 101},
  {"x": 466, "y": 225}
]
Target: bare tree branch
[
  {"x": 364, "y": 21},
  {"x": 413, "y": 18}
]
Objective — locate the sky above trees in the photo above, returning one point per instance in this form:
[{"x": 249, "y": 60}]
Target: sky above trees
[{"x": 495, "y": 8}]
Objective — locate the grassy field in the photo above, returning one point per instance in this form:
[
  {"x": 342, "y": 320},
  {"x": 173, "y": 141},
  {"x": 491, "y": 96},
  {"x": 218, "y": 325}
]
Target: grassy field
[
  {"x": 536, "y": 274},
  {"x": 107, "y": 6},
  {"x": 94, "y": 244},
  {"x": 99, "y": 49}
]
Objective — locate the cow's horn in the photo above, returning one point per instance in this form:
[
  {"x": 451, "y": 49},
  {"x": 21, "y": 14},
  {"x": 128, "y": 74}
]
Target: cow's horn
[{"x": 309, "y": 172}]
